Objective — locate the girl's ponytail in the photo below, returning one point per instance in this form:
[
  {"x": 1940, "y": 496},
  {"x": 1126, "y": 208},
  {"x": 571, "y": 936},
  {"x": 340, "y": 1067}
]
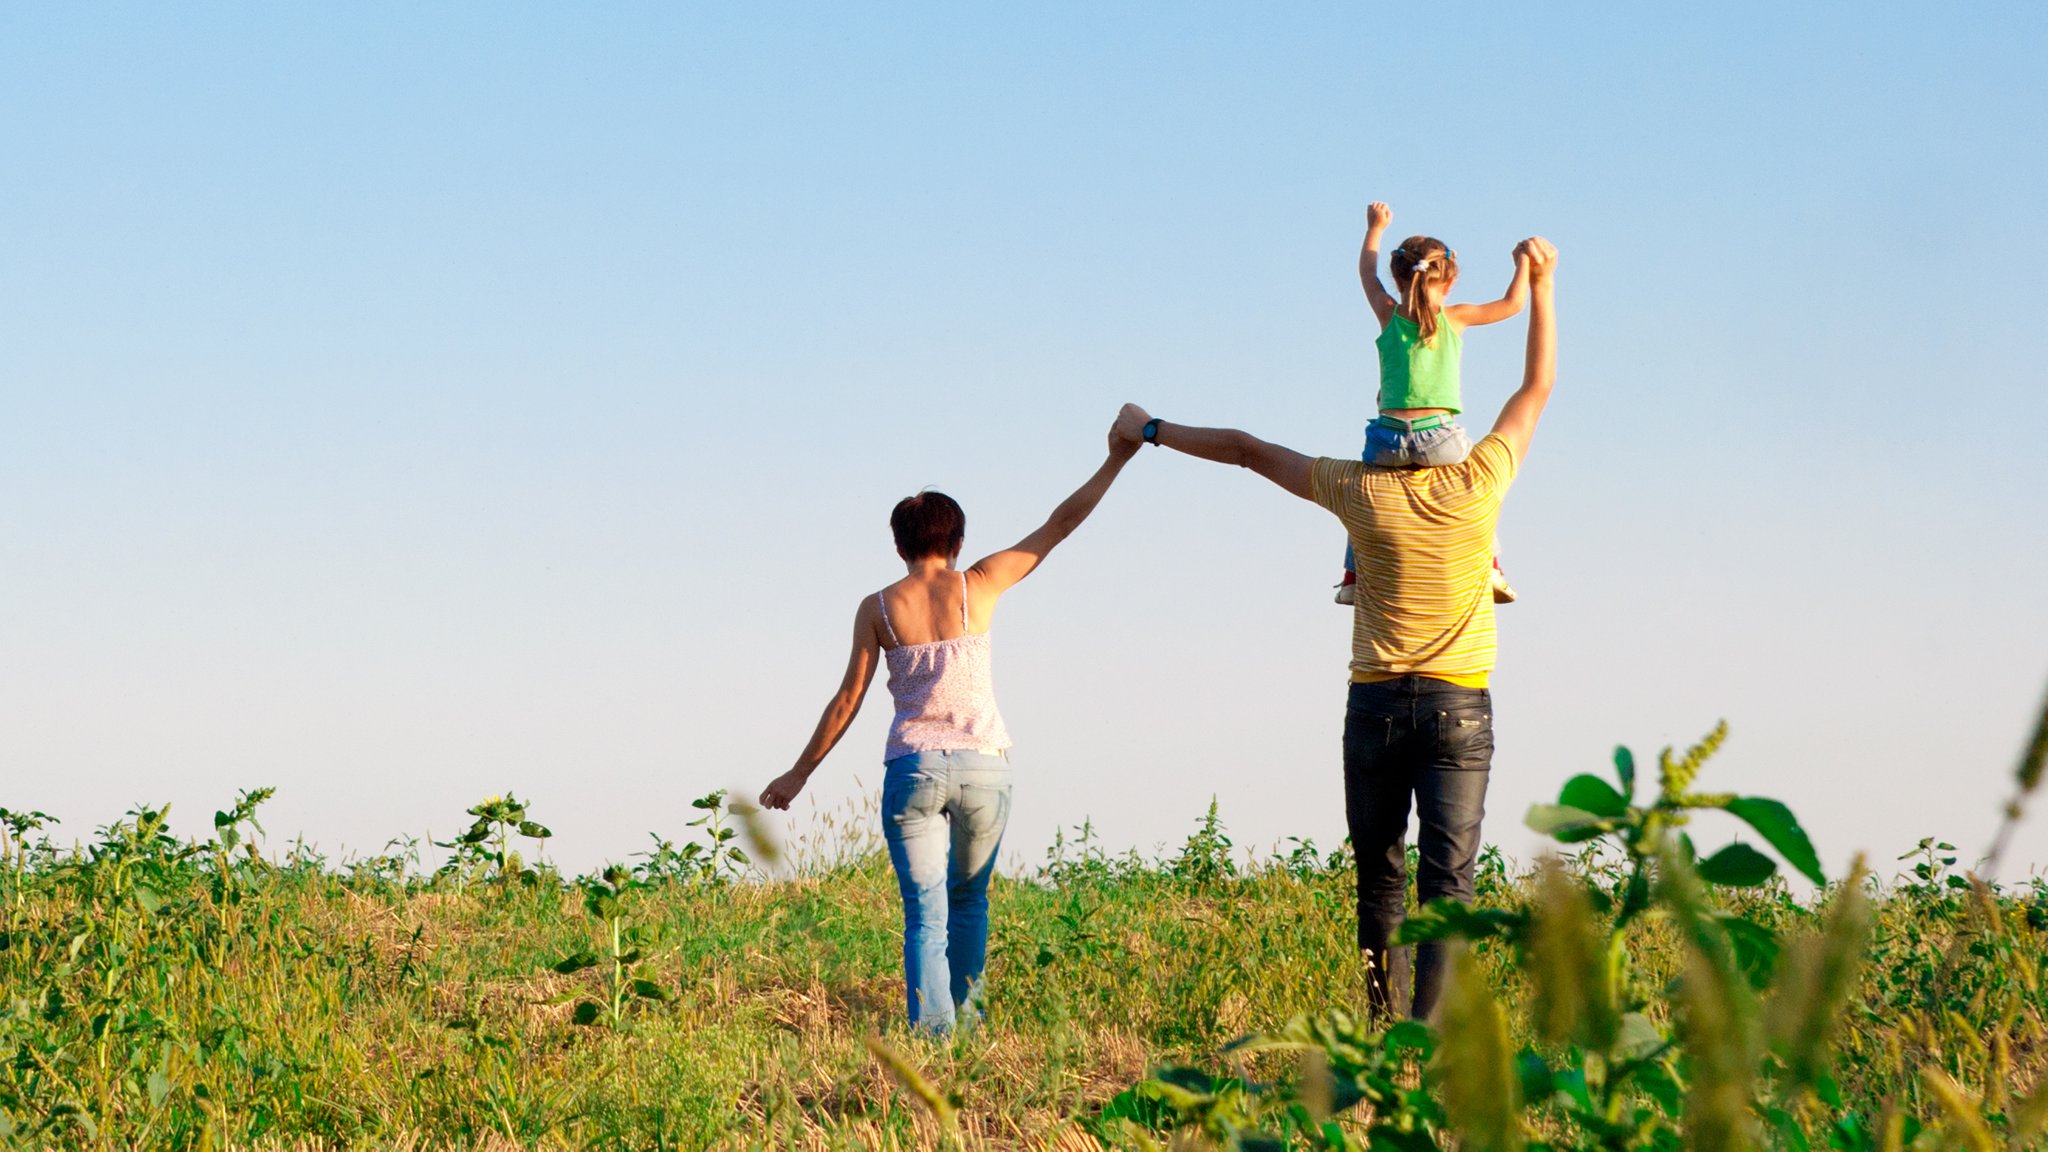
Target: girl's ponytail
[{"x": 1423, "y": 269}]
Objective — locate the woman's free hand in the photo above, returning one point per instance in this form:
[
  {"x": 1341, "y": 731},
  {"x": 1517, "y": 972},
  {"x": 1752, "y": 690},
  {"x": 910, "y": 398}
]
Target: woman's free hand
[
  {"x": 1378, "y": 216},
  {"x": 783, "y": 789}
]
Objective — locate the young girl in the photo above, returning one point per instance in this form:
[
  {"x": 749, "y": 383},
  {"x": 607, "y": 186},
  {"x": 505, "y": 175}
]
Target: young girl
[{"x": 1419, "y": 347}]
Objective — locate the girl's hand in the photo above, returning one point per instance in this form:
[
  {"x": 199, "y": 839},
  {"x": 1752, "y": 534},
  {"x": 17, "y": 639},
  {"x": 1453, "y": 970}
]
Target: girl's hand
[
  {"x": 783, "y": 789},
  {"x": 1378, "y": 216}
]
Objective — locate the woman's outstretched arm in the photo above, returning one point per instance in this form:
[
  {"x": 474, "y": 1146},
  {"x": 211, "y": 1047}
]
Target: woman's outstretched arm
[
  {"x": 839, "y": 711},
  {"x": 997, "y": 571}
]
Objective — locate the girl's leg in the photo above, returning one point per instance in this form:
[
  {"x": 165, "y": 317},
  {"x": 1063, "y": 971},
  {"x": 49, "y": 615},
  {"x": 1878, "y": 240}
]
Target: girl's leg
[
  {"x": 1441, "y": 445},
  {"x": 980, "y": 808},
  {"x": 1503, "y": 592},
  {"x": 1382, "y": 447},
  {"x": 914, "y": 792}
]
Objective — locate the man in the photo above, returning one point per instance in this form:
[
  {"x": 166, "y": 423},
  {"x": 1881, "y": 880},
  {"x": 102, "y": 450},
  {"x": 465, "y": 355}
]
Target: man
[{"x": 1419, "y": 724}]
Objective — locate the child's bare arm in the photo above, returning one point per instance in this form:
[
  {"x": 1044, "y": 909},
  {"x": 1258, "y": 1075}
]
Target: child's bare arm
[
  {"x": 1495, "y": 311},
  {"x": 1376, "y": 219}
]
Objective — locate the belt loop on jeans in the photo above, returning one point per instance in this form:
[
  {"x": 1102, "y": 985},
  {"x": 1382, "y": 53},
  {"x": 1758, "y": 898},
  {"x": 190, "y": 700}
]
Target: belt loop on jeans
[{"x": 1419, "y": 424}]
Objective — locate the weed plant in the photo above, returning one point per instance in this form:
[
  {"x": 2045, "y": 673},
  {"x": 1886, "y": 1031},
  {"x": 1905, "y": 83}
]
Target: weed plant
[{"x": 1630, "y": 992}]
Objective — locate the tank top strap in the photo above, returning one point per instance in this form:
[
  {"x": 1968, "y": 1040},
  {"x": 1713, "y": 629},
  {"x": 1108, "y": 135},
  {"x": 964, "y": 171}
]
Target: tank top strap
[
  {"x": 963, "y": 603},
  {"x": 882, "y": 602}
]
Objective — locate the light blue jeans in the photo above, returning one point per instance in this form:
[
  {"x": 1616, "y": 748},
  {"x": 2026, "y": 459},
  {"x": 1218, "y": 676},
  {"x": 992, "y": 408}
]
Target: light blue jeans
[
  {"x": 943, "y": 815},
  {"x": 1430, "y": 448},
  {"x": 1435, "y": 447}
]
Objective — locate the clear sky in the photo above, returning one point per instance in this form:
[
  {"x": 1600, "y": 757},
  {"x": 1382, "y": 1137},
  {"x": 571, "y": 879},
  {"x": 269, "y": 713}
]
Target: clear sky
[{"x": 401, "y": 403}]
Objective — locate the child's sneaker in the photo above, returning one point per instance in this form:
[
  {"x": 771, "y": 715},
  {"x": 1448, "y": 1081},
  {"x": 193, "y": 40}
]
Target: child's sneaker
[
  {"x": 1347, "y": 592},
  {"x": 1503, "y": 593}
]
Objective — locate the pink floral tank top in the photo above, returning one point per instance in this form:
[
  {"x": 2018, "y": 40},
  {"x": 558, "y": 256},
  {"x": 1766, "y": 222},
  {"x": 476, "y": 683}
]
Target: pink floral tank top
[{"x": 945, "y": 698}]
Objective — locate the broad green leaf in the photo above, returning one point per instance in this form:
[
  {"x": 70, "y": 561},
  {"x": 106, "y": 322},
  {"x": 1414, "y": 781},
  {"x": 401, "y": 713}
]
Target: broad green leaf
[
  {"x": 576, "y": 963},
  {"x": 1445, "y": 918},
  {"x": 159, "y": 1087},
  {"x": 1755, "y": 947},
  {"x": 586, "y": 1012},
  {"x": 1637, "y": 1039},
  {"x": 1776, "y": 824},
  {"x": 1592, "y": 794},
  {"x": 1410, "y": 1035},
  {"x": 536, "y": 831},
  {"x": 1656, "y": 1080},
  {"x": 1566, "y": 825},
  {"x": 1534, "y": 1076},
  {"x": 648, "y": 989},
  {"x": 1571, "y": 1083},
  {"x": 1625, "y": 770},
  {"x": 1737, "y": 866}
]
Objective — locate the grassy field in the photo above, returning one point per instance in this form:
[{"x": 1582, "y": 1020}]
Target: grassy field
[{"x": 161, "y": 993}]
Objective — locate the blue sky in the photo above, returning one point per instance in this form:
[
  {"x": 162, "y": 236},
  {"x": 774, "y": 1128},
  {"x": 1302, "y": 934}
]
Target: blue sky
[{"x": 400, "y": 405}]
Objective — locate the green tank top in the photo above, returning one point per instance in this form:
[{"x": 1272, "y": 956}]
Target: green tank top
[{"x": 1415, "y": 375}]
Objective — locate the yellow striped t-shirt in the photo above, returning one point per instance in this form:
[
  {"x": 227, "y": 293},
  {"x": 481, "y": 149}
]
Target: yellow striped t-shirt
[{"x": 1423, "y": 542}]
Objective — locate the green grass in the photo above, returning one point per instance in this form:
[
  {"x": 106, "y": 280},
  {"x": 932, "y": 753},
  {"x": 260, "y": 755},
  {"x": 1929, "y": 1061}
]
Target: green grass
[{"x": 155, "y": 993}]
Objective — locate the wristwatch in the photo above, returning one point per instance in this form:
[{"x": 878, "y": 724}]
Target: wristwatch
[{"x": 1151, "y": 432}]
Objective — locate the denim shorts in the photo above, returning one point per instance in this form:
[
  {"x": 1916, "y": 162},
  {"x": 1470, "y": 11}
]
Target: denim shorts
[{"x": 1428, "y": 448}]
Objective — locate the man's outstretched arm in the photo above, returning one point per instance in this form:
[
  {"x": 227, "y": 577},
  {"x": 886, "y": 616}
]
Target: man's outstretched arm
[
  {"x": 1517, "y": 421},
  {"x": 1283, "y": 466}
]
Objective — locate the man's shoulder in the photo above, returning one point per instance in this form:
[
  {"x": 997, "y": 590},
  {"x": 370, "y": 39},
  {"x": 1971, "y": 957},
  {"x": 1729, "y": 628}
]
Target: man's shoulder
[
  {"x": 1490, "y": 464},
  {"x": 1330, "y": 476}
]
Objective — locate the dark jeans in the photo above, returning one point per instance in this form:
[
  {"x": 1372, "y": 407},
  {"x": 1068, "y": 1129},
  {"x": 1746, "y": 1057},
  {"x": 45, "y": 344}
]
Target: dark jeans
[{"x": 1433, "y": 741}]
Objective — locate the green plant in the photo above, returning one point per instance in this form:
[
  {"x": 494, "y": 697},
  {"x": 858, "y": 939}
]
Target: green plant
[
  {"x": 485, "y": 850},
  {"x": 149, "y": 1000},
  {"x": 1206, "y": 857},
  {"x": 621, "y": 953},
  {"x": 1603, "y": 1072},
  {"x": 230, "y": 875},
  {"x": 715, "y": 859}
]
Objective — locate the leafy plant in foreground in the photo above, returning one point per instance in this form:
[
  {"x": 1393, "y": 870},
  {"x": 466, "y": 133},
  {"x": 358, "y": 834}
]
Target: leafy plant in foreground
[
  {"x": 1735, "y": 1046},
  {"x": 621, "y": 953}
]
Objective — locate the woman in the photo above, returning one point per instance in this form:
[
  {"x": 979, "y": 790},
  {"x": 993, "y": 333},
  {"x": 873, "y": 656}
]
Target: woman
[{"x": 946, "y": 788}]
